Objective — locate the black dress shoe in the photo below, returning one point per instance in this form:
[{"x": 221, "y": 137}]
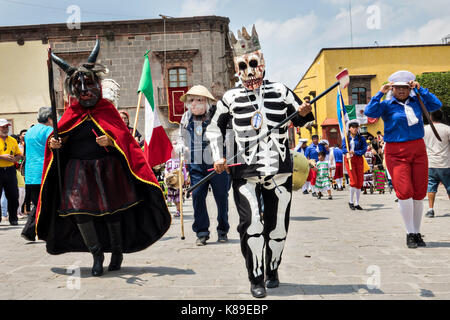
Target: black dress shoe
[
  {"x": 351, "y": 206},
  {"x": 14, "y": 223},
  {"x": 272, "y": 281},
  {"x": 358, "y": 207},
  {"x": 419, "y": 240},
  {"x": 258, "y": 290},
  {"x": 305, "y": 192},
  {"x": 314, "y": 194},
  {"x": 411, "y": 241}
]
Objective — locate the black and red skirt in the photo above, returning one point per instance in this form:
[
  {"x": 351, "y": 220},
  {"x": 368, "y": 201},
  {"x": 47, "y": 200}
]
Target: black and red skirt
[{"x": 97, "y": 187}]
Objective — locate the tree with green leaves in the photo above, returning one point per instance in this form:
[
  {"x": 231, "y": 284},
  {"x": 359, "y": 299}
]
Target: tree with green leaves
[{"x": 439, "y": 84}]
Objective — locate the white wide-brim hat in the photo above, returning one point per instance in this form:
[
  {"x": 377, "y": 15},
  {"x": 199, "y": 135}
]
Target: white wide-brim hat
[
  {"x": 302, "y": 140},
  {"x": 4, "y": 122},
  {"x": 197, "y": 90},
  {"x": 401, "y": 78}
]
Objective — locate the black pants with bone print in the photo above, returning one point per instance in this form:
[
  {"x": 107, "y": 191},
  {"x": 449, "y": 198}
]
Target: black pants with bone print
[{"x": 263, "y": 234}]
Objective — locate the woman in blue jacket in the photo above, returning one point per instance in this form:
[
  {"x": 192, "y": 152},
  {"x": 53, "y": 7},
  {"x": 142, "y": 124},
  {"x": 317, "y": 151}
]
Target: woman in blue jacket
[{"x": 405, "y": 151}]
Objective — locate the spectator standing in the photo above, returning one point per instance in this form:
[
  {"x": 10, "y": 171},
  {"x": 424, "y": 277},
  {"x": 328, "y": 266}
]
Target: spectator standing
[
  {"x": 438, "y": 159},
  {"x": 35, "y": 141},
  {"x": 9, "y": 154}
]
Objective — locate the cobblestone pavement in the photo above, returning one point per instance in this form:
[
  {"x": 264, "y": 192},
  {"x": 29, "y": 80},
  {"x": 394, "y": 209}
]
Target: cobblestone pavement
[{"x": 331, "y": 253}]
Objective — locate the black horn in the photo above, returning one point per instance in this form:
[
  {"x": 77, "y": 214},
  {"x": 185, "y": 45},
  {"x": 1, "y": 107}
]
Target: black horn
[
  {"x": 93, "y": 56},
  {"x": 60, "y": 62}
]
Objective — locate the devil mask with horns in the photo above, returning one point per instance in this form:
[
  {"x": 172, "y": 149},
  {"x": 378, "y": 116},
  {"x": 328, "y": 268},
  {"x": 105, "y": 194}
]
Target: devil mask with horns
[
  {"x": 248, "y": 59},
  {"x": 83, "y": 82}
]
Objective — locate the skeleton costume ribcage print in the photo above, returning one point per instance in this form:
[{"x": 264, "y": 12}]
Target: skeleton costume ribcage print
[{"x": 262, "y": 185}]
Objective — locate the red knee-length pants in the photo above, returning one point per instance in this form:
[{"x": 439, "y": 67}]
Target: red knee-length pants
[
  {"x": 356, "y": 175},
  {"x": 407, "y": 163}
]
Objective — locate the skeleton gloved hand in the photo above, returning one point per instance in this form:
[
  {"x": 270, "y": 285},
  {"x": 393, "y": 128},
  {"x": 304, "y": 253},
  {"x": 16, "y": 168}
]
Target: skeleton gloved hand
[{"x": 221, "y": 166}]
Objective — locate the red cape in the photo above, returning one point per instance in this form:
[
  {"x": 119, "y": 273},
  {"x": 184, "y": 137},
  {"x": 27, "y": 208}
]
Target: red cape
[{"x": 108, "y": 120}]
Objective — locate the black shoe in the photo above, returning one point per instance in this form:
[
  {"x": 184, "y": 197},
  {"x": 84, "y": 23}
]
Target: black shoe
[
  {"x": 258, "y": 290},
  {"x": 272, "y": 280},
  {"x": 358, "y": 207},
  {"x": 411, "y": 241},
  {"x": 314, "y": 194},
  {"x": 222, "y": 238},
  {"x": 319, "y": 196},
  {"x": 91, "y": 241},
  {"x": 430, "y": 213},
  {"x": 99, "y": 257},
  {"x": 305, "y": 192},
  {"x": 351, "y": 206},
  {"x": 115, "y": 235},
  {"x": 201, "y": 241},
  {"x": 27, "y": 237},
  {"x": 419, "y": 240},
  {"x": 14, "y": 223},
  {"x": 330, "y": 198}
]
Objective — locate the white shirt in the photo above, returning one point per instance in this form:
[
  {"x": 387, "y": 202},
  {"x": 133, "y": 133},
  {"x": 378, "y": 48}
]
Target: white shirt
[{"x": 438, "y": 152}]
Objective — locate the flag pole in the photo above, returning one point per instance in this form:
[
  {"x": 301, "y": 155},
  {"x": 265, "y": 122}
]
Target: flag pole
[
  {"x": 137, "y": 113},
  {"x": 180, "y": 178},
  {"x": 345, "y": 130}
]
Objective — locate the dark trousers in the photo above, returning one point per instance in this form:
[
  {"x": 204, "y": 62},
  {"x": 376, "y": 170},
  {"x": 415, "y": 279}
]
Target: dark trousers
[
  {"x": 27, "y": 202},
  {"x": 220, "y": 184},
  {"x": 263, "y": 233},
  {"x": 29, "y": 231},
  {"x": 8, "y": 182}
]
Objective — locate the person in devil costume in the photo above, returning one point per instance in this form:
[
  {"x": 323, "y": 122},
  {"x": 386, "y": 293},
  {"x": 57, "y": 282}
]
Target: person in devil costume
[{"x": 111, "y": 200}]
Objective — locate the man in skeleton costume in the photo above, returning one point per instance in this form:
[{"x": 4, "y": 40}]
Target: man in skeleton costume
[
  {"x": 111, "y": 200},
  {"x": 266, "y": 171}
]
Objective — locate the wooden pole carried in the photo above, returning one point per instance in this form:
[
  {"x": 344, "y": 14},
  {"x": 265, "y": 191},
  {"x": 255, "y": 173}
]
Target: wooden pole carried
[
  {"x": 137, "y": 113},
  {"x": 180, "y": 184}
]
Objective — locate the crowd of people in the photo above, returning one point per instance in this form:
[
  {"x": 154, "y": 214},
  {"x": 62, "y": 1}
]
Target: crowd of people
[{"x": 92, "y": 190}]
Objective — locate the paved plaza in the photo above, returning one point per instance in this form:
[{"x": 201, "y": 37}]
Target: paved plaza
[{"x": 331, "y": 253}]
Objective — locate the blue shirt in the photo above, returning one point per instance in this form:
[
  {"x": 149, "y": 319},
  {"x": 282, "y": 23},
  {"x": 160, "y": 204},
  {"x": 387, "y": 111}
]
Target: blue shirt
[
  {"x": 396, "y": 127},
  {"x": 337, "y": 154},
  {"x": 360, "y": 145},
  {"x": 35, "y": 143},
  {"x": 312, "y": 153}
]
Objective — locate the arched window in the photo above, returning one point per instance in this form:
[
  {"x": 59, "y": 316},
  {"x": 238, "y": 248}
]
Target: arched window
[
  {"x": 359, "y": 95},
  {"x": 177, "y": 77}
]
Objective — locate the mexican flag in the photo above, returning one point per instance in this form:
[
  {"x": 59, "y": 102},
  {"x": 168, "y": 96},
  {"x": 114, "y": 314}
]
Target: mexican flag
[{"x": 157, "y": 147}]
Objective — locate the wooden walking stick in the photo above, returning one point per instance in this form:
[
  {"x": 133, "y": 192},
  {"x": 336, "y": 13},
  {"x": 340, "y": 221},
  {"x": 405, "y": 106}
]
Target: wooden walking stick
[
  {"x": 427, "y": 115},
  {"x": 180, "y": 184}
]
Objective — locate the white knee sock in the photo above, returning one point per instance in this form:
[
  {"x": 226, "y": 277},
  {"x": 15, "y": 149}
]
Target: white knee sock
[
  {"x": 339, "y": 182},
  {"x": 305, "y": 186},
  {"x": 418, "y": 210},
  {"x": 358, "y": 195},
  {"x": 352, "y": 194},
  {"x": 407, "y": 211}
]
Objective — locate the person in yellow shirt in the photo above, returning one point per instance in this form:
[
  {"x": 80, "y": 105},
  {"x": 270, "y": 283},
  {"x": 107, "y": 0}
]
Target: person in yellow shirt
[{"x": 9, "y": 154}]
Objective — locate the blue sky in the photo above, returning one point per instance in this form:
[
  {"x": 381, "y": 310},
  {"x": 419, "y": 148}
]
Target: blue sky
[{"x": 291, "y": 32}]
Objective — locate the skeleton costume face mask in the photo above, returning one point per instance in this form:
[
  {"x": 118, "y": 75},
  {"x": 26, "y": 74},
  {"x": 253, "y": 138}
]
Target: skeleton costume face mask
[
  {"x": 248, "y": 60},
  {"x": 83, "y": 82}
]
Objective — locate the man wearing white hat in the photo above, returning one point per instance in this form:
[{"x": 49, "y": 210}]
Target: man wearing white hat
[
  {"x": 192, "y": 141},
  {"x": 9, "y": 154},
  {"x": 405, "y": 151}
]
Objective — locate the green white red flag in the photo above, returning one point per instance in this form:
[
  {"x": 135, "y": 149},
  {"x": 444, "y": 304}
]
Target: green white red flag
[{"x": 157, "y": 147}]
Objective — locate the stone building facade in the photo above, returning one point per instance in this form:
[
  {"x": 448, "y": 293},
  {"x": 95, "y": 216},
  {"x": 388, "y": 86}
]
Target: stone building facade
[{"x": 196, "y": 49}]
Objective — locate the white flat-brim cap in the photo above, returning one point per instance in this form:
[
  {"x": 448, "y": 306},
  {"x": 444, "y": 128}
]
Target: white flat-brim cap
[
  {"x": 197, "y": 90},
  {"x": 401, "y": 78},
  {"x": 302, "y": 140},
  {"x": 324, "y": 142},
  {"x": 4, "y": 122}
]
